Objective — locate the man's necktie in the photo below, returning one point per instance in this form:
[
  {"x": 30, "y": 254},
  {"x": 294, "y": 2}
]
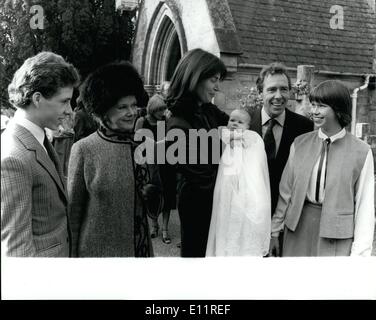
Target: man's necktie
[
  {"x": 47, "y": 144},
  {"x": 324, "y": 150},
  {"x": 269, "y": 141}
]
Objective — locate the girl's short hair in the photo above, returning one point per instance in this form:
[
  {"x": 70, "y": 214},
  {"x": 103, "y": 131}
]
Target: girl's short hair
[
  {"x": 336, "y": 95},
  {"x": 155, "y": 104},
  {"x": 104, "y": 87}
]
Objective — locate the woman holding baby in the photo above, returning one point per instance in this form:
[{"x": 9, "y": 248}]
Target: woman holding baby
[{"x": 193, "y": 86}]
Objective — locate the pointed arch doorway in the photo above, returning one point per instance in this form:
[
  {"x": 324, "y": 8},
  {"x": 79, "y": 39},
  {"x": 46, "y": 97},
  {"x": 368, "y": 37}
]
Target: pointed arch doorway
[
  {"x": 174, "y": 56},
  {"x": 166, "y": 53},
  {"x": 165, "y": 48}
]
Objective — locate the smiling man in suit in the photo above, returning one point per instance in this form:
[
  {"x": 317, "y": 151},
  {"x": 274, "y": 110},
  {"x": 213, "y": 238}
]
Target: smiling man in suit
[
  {"x": 34, "y": 220},
  {"x": 277, "y": 125}
]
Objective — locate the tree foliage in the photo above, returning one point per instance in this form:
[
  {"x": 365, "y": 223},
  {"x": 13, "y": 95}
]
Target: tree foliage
[{"x": 88, "y": 33}]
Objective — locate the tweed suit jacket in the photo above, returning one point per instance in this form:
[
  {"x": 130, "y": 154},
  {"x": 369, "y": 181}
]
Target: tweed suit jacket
[{"x": 34, "y": 220}]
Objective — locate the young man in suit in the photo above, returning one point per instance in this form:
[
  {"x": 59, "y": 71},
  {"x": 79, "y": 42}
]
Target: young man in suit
[
  {"x": 34, "y": 220},
  {"x": 277, "y": 125}
]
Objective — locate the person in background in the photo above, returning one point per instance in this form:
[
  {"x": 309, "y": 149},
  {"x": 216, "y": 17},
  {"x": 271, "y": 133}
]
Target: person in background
[
  {"x": 165, "y": 86},
  {"x": 83, "y": 123},
  {"x": 156, "y": 109},
  {"x": 62, "y": 140},
  {"x": 141, "y": 108},
  {"x": 326, "y": 201}
]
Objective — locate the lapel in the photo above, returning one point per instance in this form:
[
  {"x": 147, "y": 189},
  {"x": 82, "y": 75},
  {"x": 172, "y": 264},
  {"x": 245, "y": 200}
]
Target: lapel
[
  {"x": 256, "y": 122},
  {"x": 309, "y": 159},
  {"x": 31, "y": 143},
  {"x": 286, "y": 135}
]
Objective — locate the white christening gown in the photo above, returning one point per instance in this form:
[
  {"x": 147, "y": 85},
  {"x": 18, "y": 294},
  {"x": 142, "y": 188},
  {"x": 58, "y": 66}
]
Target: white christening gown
[{"x": 241, "y": 217}]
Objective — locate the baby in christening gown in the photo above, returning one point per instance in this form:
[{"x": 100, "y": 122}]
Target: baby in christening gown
[{"x": 241, "y": 217}]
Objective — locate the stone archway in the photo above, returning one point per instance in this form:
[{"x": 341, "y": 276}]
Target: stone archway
[
  {"x": 164, "y": 47},
  {"x": 173, "y": 57},
  {"x": 166, "y": 53}
]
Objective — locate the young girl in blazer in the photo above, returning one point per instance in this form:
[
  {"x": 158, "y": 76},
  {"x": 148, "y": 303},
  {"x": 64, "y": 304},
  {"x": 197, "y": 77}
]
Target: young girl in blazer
[{"x": 326, "y": 201}]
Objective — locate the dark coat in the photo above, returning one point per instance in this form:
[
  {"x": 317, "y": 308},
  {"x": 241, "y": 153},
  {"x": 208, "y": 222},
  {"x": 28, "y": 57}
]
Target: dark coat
[
  {"x": 84, "y": 124},
  {"x": 202, "y": 175},
  {"x": 294, "y": 126},
  {"x": 197, "y": 181}
]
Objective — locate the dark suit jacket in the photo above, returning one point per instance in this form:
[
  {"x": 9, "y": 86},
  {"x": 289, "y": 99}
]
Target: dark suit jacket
[
  {"x": 34, "y": 221},
  {"x": 295, "y": 125}
]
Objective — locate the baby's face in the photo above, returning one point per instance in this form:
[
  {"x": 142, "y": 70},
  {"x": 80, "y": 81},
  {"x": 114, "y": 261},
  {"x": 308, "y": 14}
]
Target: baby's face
[{"x": 239, "y": 119}]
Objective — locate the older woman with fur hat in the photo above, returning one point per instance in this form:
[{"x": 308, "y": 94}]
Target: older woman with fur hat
[{"x": 105, "y": 184}]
